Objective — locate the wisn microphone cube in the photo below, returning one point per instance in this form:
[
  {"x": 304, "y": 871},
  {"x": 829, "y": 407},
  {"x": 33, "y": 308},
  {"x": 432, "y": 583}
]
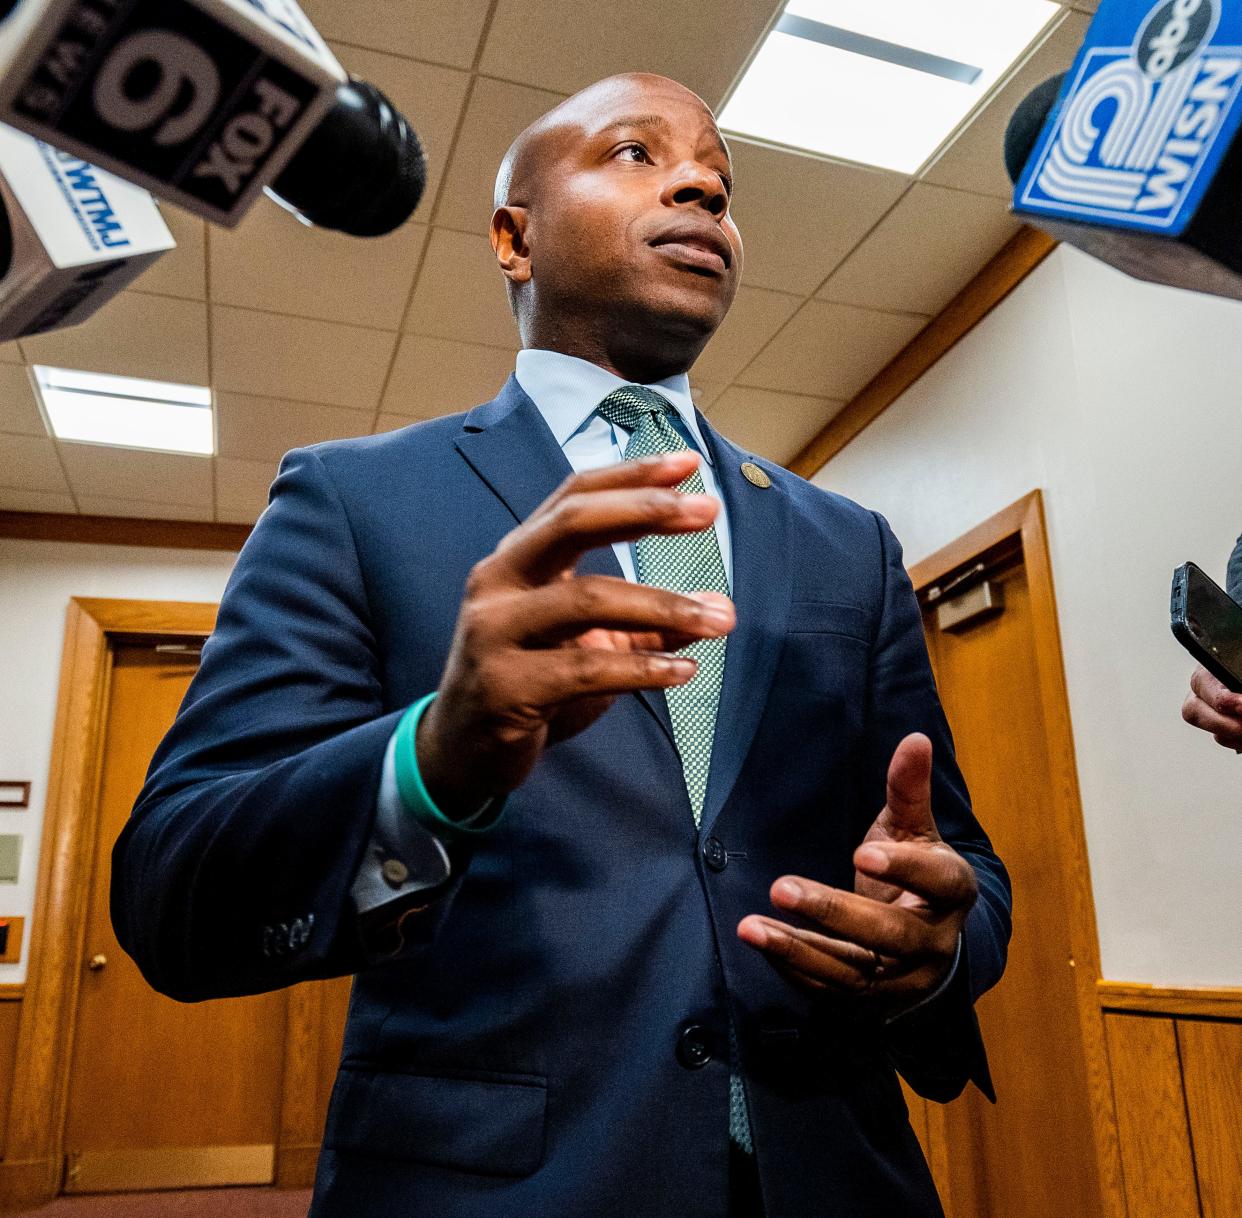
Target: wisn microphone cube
[
  {"x": 75, "y": 236},
  {"x": 202, "y": 102},
  {"x": 1139, "y": 161}
]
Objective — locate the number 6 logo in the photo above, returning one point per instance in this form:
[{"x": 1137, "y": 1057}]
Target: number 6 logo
[{"x": 180, "y": 63}]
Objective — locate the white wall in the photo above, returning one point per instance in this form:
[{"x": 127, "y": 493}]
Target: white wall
[
  {"x": 1123, "y": 402},
  {"x": 36, "y": 581}
]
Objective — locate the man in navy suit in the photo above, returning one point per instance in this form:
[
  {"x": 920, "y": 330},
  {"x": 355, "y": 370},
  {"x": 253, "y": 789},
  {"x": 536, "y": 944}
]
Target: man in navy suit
[{"x": 606, "y": 755}]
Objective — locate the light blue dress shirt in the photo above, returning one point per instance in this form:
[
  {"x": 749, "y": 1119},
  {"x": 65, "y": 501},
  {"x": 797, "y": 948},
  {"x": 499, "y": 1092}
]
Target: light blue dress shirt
[{"x": 566, "y": 391}]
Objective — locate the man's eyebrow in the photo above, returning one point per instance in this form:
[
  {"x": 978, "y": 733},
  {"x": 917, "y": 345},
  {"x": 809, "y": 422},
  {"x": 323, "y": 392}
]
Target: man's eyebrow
[{"x": 657, "y": 122}]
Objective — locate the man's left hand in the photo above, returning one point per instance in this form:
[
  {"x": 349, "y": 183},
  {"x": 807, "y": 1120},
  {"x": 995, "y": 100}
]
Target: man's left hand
[{"x": 895, "y": 936}]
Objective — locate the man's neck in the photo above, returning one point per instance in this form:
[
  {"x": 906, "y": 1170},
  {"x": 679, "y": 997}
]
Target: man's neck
[{"x": 621, "y": 358}]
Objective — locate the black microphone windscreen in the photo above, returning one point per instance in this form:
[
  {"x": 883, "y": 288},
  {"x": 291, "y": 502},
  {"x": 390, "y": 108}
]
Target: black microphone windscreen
[
  {"x": 1027, "y": 122},
  {"x": 361, "y": 171}
]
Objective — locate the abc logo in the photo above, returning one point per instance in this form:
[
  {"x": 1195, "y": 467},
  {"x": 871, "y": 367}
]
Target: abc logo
[{"x": 1171, "y": 35}]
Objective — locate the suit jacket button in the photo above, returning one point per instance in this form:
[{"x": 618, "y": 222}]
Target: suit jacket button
[
  {"x": 694, "y": 1046},
  {"x": 714, "y": 854}
]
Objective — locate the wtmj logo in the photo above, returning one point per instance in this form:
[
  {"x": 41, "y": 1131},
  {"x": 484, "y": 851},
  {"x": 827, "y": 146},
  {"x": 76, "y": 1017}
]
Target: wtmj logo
[{"x": 1140, "y": 124}]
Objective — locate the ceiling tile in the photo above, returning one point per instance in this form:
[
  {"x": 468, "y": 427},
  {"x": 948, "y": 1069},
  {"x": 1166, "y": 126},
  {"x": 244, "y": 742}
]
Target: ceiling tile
[
  {"x": 98, "y": 471},
  {"x": 442, "y": 31},
  {"x": 135, "y": 334},
  {"x": 241, "y": 488},
  {"x": 28, "y": 463},
  {"x": 553, "y": 43},
  {"x": 269, "y": 355},
  {"x": 1085, "y": 6},
  {"x": 498, "y": 112},
  {"x": 394, "y": 422},
  {"x": 754, "y": 317},
  {"x": 18, "y": 411},
  {"x": 799, "y": 215},
  {"x": 35, "y": 501},
  {"x": 11, "y": 353},
  {"x": 461, "y": 293},
  {"x": 94, "y": 505},
  {"x": 431, "y": 97},
  {"x": 704, "y": 393},
  {"x": 774, "y": 425},
  {"x": 975, "y": 160},
  {"x": 275, "y": 262},
  {"x": 253, "y": 427},
  {"x": 434, "y": 376},
  {"x": 181, "y": 271},
  {"x": 923, "y": 252},
  {"x": 831, "y": 350}
]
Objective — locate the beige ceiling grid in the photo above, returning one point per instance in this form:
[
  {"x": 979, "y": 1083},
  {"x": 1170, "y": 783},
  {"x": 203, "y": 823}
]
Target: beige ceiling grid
[{"x": 308, "y": 336}]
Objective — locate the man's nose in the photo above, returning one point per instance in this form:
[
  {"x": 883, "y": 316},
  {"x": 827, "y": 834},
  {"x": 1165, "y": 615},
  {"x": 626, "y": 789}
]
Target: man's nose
[{"x": 693, "y": 183}]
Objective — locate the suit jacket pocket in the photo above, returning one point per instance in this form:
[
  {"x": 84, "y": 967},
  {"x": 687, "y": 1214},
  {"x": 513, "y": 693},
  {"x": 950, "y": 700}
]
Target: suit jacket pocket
[
  {"x": 830, "y": 617},
  {"x": 492, "y": 1124}
]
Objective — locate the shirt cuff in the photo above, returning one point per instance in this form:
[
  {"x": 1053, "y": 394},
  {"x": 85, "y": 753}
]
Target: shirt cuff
[
  {"x": 401, "y": 856},
  {"x": 940, "y": 989}
]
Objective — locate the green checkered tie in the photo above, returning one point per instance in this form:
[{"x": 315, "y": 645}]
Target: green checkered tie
[{"x": 686, "y": 562}]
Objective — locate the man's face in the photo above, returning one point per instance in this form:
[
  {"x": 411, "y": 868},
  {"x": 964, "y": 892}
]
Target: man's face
[{"x": 630, "y": 214}]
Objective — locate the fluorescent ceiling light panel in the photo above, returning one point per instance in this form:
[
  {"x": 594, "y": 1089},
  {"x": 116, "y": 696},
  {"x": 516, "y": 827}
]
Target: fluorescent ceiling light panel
[
  {"x": 880, "y": 82},
  {"x": 95, "y": 408}
]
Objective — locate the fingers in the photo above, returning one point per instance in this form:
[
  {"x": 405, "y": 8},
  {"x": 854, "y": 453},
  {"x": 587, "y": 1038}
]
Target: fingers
[
  {"x": 819, "y": 960},
  {"x": 931, "y": 870},
  {"x": 909, "y": 787},
  {"x": 534, "y": 682},
  {"x": 1224, "y": 729},
  {"x": 566, "y": 608},
  {"x": 859, "y": 921},
  {"x": 597, "y": 508},
  {"x": 1216, "y": 694}
]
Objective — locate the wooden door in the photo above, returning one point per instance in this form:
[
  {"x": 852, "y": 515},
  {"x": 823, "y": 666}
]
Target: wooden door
[
  {"x": 1033, "y": 1154},
  {"x": 162, "y": 1094}
]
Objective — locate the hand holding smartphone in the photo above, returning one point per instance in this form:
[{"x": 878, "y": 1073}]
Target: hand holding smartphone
[{"x": 1207, "y": 621}]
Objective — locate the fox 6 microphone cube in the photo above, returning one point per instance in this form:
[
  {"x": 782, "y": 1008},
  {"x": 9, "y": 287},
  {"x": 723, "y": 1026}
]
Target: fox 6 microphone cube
[
  {"x": 202, "y": 102},
  {"x": 1139, "y": 162},
  {"x": 76, "y": 236}
]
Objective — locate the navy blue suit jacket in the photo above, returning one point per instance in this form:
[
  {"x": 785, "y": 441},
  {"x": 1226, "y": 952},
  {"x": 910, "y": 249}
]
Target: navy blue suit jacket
[{"x": 517, "y": 1055}]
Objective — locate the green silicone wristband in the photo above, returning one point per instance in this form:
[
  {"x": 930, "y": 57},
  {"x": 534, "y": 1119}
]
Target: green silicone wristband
[{"x": 413, "y": 792}]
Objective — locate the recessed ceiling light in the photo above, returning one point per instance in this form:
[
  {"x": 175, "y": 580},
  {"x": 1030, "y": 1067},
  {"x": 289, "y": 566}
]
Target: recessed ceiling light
[
  {"x": 95, "y": 408},
  {"x": 881, "y": 82}
]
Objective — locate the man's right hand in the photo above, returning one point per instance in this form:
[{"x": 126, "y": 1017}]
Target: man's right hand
[
  {"x": 1214, "y": 707},
  {"x": 539, "y": 653}
]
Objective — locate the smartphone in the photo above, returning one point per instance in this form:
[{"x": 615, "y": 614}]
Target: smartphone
[{"x": 1207, "y": 621}]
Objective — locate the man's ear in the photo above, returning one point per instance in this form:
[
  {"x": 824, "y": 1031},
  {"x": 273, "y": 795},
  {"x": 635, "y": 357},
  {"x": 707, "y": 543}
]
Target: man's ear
[{"x": 508, "y": 234}]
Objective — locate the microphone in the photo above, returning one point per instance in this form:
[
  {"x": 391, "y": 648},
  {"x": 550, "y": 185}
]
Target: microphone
[
  {"x": 71, "y": 236},
  {"x": 1133, "y": 156},
  {"x": 207, "y": 103}
]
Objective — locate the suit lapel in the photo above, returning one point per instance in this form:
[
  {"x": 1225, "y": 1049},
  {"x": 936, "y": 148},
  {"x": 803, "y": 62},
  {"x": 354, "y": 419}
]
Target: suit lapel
[
  {"x": 762, "y": 584},
  {"x": 512, "y": 449}
]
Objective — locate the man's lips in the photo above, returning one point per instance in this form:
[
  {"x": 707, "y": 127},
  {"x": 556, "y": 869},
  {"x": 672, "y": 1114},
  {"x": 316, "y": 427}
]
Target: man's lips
[{"x": 698, "y": 246}]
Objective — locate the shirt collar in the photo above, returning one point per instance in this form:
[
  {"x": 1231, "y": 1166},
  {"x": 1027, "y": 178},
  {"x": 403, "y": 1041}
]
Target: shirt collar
[{"x": 567, "y": 389}]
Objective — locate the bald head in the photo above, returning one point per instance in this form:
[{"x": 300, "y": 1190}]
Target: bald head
[
  {"x": 611, "y": 225},
  {"x": 535, "y": 151}
]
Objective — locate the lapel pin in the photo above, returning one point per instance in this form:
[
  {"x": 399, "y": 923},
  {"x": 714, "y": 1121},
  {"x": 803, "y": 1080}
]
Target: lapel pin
[{"x": 755, "y": 476}]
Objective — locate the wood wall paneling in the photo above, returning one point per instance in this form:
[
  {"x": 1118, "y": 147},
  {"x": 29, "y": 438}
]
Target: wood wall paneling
[
  {"x": 1156, "y": 1157},
  {"x": 1210, "y": 1052}
]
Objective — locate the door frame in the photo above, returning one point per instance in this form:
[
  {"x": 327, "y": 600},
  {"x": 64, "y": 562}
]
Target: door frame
[
  {"x": 33, "y": 1152},
  {"x": 1023, "y": 523}
]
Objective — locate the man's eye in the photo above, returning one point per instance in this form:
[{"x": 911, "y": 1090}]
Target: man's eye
[{"x": 639, "y": 151}]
